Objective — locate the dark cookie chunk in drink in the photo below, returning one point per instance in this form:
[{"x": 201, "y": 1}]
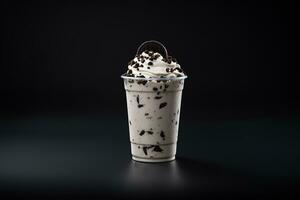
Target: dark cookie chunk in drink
[
  {"x": 142, "y": 132},
  {"x": 150, "y": 63},
  {"x": 155, "y": 89},
  {"x": 145, "y": 150},
  {"x": 162, "y": 134},
  {"x": 159, "y": 118},
  {"x": 156, "y": 56},
  {"x": 176, "y": 123},
  {"x": 157, "y": 97},
  {"x": 138, "y": 99},
  {"x": 157, "y": 148},
  {"x": 142, "y": 82},
  {"x": 146, "y": 114},
  {"x": 150, "y": 132},
  {"x": 178, "y": 69},
  {"x": 130, "y": 81},
  {"x": 162, "y": 105},
  {"x": 148, "y": 67},
  {"x": 140, "y": 105},
  {"x": 130, "y": 122},
  {"x": 130, "y": 75}
]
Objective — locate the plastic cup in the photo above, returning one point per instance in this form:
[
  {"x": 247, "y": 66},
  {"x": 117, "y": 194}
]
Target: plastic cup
[{"x": 153, "y": 115}]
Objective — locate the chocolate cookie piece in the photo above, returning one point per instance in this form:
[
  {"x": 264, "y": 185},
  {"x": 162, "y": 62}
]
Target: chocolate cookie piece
[
  {"x": 150, "y": 132},
  {"x": 157, "y": 97},
  {"x": 142, "y": 82},
  {"x": 162, "y": 134},
  {"x": 178, "y": 69},
  {"x": 142, "y": 132},
  {"x": 162, "y": 105},
  {"x": 157, "y": 148},
  {"x": 145, "y": 150}
]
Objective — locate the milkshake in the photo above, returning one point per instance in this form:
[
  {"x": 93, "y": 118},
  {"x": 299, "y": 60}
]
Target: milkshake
[{"x": 153, "y": 83}]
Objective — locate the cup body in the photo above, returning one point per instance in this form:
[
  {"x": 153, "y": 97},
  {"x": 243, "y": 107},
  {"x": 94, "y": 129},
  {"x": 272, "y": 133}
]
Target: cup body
[{"x": 153, "y": 116}]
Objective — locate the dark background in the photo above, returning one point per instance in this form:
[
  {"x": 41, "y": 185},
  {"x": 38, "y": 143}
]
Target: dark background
[{"x": 61, "y": 93}]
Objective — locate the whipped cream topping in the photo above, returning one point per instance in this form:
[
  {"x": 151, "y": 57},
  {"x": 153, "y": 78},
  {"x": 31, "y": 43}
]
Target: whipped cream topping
[{"x": 151, "y": 64}]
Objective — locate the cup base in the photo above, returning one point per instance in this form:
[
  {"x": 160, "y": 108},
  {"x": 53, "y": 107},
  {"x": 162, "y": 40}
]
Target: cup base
[{"x": 151, "y": 160}]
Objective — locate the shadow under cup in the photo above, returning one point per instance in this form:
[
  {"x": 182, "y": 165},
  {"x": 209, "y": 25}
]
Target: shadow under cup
[{"x": 153, "y": 106}]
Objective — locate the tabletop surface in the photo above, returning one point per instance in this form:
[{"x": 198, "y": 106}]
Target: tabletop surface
[{"x": 90, "y": 155}]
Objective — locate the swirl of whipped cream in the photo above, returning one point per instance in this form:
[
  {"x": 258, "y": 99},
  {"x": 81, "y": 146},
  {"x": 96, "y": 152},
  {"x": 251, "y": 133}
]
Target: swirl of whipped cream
[{"x": 151, "y": 64}]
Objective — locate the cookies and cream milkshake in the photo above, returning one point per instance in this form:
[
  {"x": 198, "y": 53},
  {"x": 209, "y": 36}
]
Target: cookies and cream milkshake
[{"x": 153, "y": 83}]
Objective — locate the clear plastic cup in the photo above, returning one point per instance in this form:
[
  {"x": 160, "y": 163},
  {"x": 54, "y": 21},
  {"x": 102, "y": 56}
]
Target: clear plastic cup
[{"x": 153, "y": 115}]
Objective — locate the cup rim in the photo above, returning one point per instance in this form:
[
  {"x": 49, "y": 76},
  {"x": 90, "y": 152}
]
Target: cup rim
[{"x": 154, "y": 78}]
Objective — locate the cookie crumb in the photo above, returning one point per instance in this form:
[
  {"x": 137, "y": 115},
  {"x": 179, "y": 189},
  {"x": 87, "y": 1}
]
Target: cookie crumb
[{"x": 162, "y": 105}]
